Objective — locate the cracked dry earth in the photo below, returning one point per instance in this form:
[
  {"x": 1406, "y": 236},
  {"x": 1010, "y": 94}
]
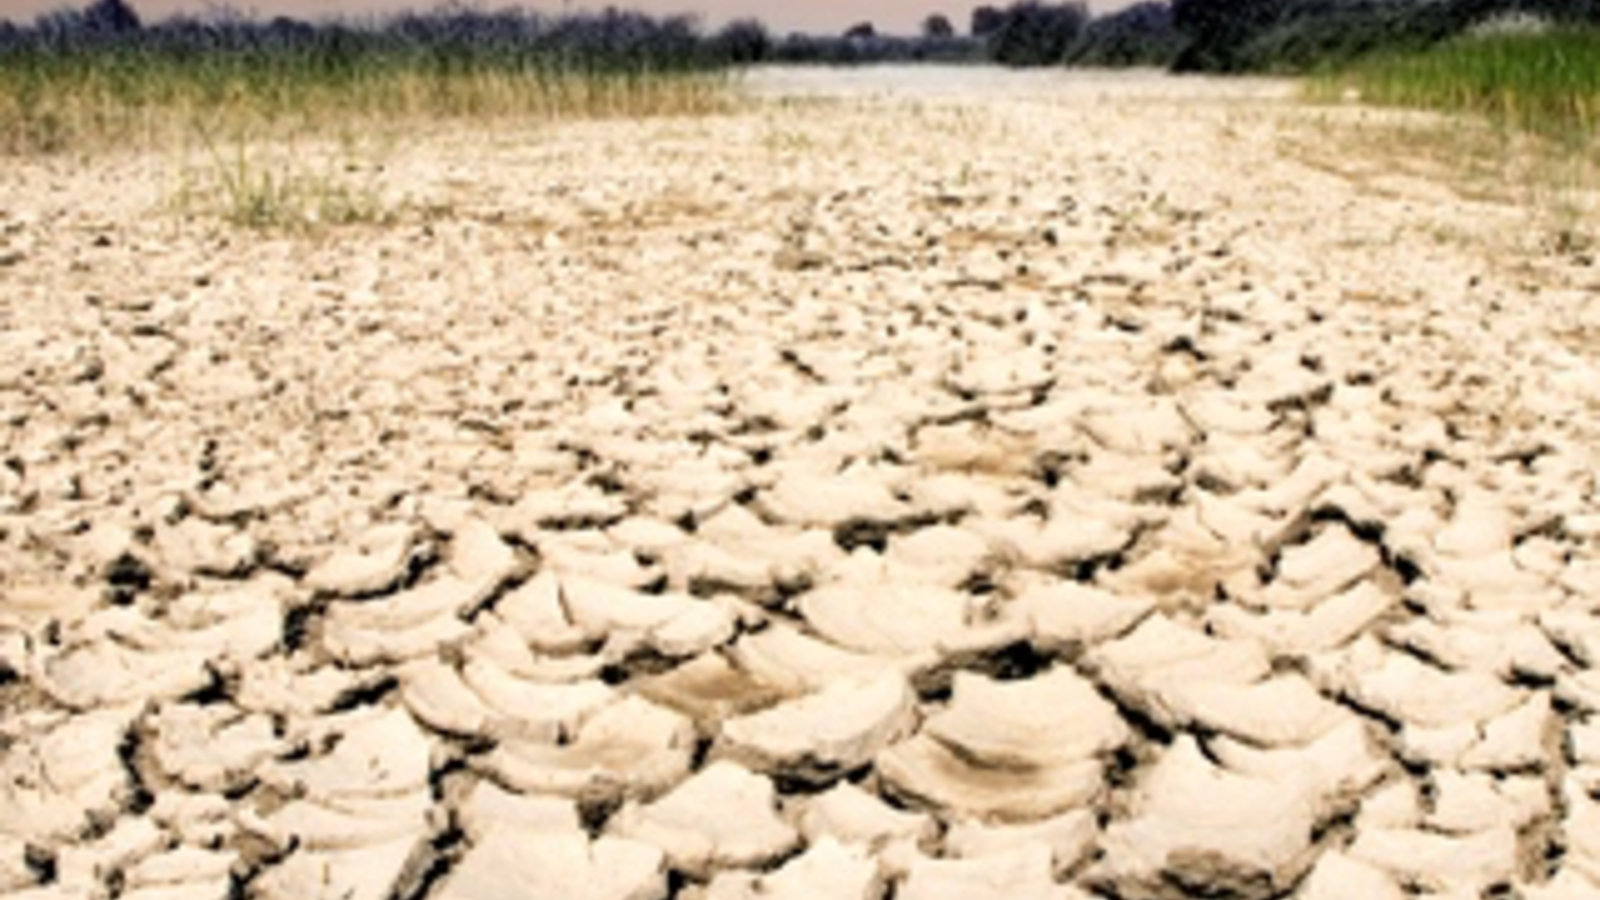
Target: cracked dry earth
[{"x": 1048, "y": 492}]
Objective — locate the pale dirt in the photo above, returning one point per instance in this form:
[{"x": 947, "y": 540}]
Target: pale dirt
[{"x": 1271, "y": 473}]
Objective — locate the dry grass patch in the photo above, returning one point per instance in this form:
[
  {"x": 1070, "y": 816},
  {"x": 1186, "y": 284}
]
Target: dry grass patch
[
  {"x": 293, "y": 142},
  {"x": 1549, "y": 185}
]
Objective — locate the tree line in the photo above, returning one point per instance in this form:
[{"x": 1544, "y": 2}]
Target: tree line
[
  {"x": 1024, "y": 33},
  {"x": 1297, "y": 35},
  {"x": 1184, "y": 35}
]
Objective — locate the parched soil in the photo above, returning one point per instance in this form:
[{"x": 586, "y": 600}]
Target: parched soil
[{"x": 1044, "y": 486}]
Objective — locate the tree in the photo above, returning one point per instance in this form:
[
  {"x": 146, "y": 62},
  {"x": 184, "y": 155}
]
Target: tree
[
  {"x": 743, "y": 41},
  {"x": 1140, "y": 35},
  {"x": 110, "y": 17},
  {"x": 1218, "y": 30},
  {"x": 986, "y": 20},
  {"x": 937, "y": 27},
  {"x": 861, "y": 31},
  {"x": 1037, "y": 34}
]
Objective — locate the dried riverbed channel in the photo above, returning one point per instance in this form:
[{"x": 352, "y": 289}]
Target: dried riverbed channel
[{"x": 1052, "y": 491}]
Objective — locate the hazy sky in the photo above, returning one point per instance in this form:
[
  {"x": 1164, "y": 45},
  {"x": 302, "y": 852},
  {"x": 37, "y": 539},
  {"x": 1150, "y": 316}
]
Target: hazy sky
[{"x": 901, "y": 16}]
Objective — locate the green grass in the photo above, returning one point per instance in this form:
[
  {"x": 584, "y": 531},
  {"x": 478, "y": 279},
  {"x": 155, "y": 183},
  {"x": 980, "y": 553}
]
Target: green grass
[
  {"x": 1546, "y": 83},
  {"x": 284, "y": 187}
]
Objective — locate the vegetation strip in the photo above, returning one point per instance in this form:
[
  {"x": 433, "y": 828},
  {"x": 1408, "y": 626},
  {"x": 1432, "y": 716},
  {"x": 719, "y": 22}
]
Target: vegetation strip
[
  {"x": 1544, "y": 81},
  {"x": 77, "y": 79}
]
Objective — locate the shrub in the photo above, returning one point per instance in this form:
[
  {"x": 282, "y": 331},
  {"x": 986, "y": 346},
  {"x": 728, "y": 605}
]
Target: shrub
[{"x": 937, "y": 27}]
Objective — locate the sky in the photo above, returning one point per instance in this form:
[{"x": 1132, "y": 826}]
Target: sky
[{"x": 895, "y": 16}]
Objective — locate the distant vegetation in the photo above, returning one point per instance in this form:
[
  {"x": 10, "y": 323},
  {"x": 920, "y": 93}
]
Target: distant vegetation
[
  {"x": 1028, "y": 33},
  {"x": 1542, "y": 80},
  {"x": 103, "y": 74},
  {"x": 1282, "y": 36},
  {"x": 1024, "y": 33},
  {"x": 859, "y": 46},
  {"x": 99, "y": 70},
  {"x": 1533, "y": 64},
  {"x": 1307, "y": 35},
  {"x": 1141, "y": 35}
]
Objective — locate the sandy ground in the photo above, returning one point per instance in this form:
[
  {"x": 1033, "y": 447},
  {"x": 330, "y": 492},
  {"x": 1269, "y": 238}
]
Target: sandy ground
[{"x": 1040, "y": 487}]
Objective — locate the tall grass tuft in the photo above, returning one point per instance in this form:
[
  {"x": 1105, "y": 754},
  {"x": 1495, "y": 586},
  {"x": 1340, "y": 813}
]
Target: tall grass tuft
[{"x": 1546, "y": 82}]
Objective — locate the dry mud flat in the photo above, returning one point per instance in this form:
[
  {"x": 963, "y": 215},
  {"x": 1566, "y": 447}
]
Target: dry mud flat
[{"x": 1045, "y": 491}]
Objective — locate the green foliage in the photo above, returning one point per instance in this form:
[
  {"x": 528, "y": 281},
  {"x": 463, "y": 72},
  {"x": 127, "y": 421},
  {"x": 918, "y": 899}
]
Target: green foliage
[
  {"x": 100, "y": 78},
  {"x": 264, "y": 187},
  {"x": 1322, "y": 35},
  {"x": 1140, "y": 35},
  {"x": 1311, "y": 35},
  {"x": 1545, "y": 82},
  {"x": 1036, "y": 34},
  {"x": 1218, "y": 30}
]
